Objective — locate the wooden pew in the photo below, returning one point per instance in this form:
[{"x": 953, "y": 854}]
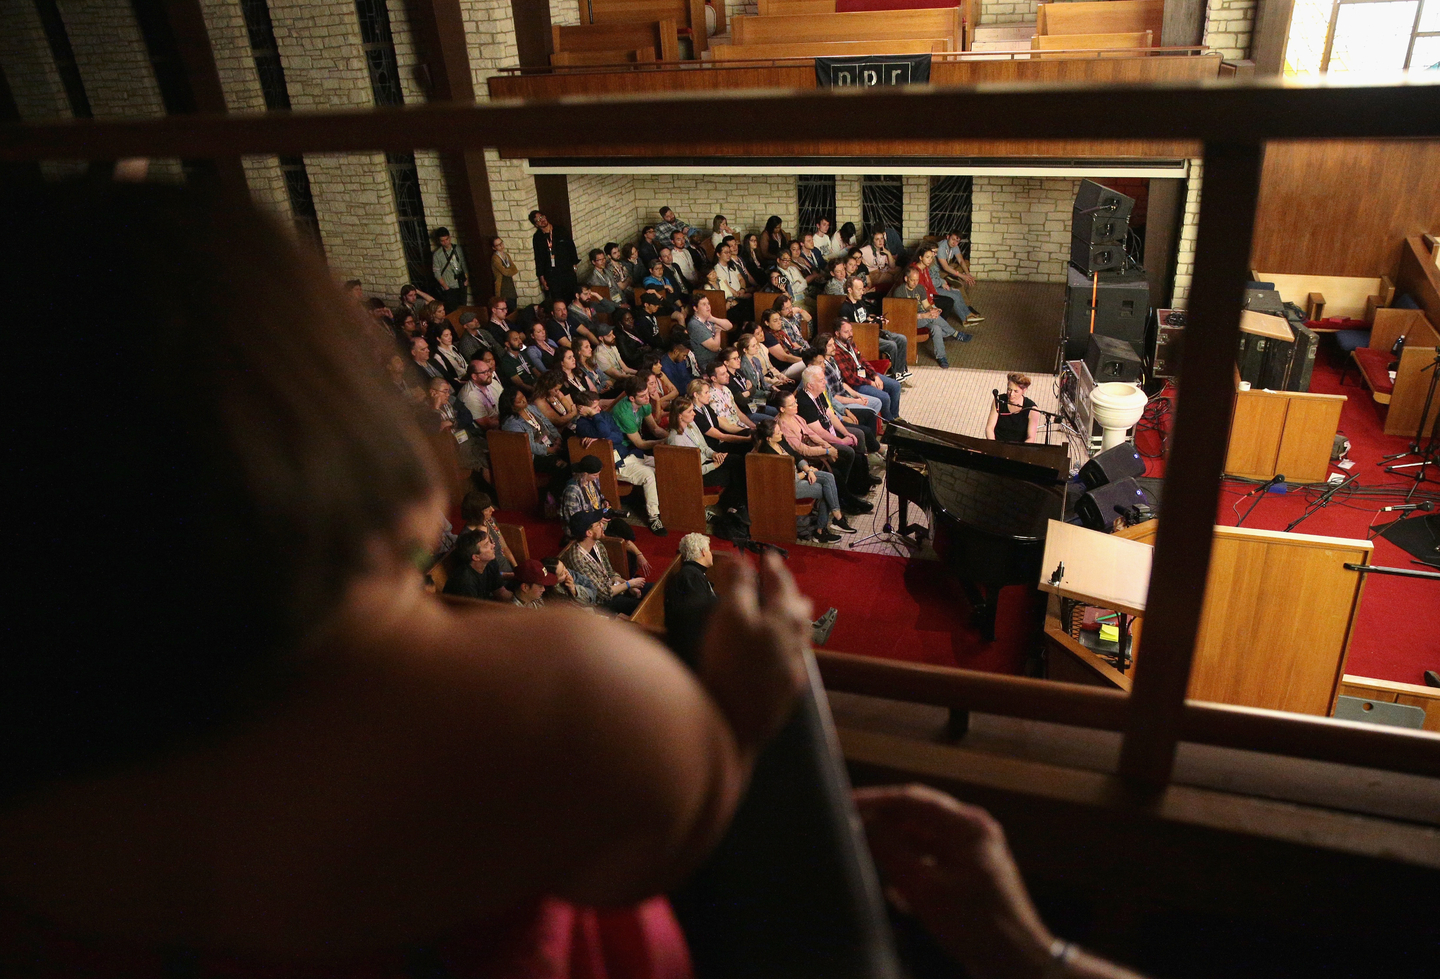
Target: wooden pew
[
  {"x": 650, "y": 613},
  {"x": 457, "y": 478},
  {"x": 659, "y": 35},
  {"x": 776, "y": 8},
  {"x": 682, "y": 489},
  {"x": 902, "y": 316},
  {"x": 1392, "y": 692},
  {"x": 1101, "y": 17},
  {"x": 878, "y": 25},
  {"x": 827, "y": 49},
  {"x": 612, "y": 487},
  {"x": 763, "y": 302},
  {"x": 770, "y": 480},
  {"x": 867, "y": 340},
  {"x": 579, "y": 59},
  {"x": 512, "y": 470},
  {"x": 827, "y": 312},
  {"x": 1353, "y": 297},
  {"x": 685, "y": 13},
  {"x": 516, "y": 540},
  {"x": 1066, "y": 45},
  {"x": 717, "y": 301}
]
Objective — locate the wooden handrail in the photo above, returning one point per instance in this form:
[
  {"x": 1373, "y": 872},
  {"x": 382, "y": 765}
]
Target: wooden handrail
[
  {"x": 1218, "y": 725},
  {"x": 1188, "y": 51}
]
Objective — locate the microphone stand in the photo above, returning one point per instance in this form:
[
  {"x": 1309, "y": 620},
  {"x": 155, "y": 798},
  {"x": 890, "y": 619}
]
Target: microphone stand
[
  {"x": 1427, "y": 457},
  {"x": 1321, "y": 503},
  {"x": 1259, "y": 494}
]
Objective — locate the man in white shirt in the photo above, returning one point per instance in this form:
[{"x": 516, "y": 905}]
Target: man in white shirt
[
  {"x": 823, "y": 241},
  {"x": 481, "y": 394},
  {"x": 732, "y": 282},
  {"x": 682, "y": 258},
  {"x": 794, "y": 281}
]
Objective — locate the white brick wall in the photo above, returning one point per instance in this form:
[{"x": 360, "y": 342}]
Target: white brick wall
[
  {"x": 1189, "y": 226},
  {"x": 319, "y": 42},
  {"x": 490, "y": 36},
  {"x": 29, "y": 67},
  {"x": 602, "y": 208},
  {"x": 917, "y": 208},
  {"x": 564, "y": 13},
  {"x": 848, "y": 207},
  {"x": 747, "y": 200},
  {"x": 1228, "y": 26},
  {"x": 512, "y": 197},
  {"x": 1020, "y": 228},
  {"x": 995, "y": 12}
]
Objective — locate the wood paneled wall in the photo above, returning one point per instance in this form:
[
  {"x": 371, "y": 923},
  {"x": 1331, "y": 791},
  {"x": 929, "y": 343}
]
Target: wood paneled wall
[
  {"x": 1344, "y": 208},
  {"x": 802, "y": 76}
]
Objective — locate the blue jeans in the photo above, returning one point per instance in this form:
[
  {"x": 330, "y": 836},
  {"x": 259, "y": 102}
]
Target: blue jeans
[
  {"x": 940, "y": 330},
  {"x": 954, "y": 295},
  {"x": 888, "y": 393},
  {"x": 823, "y": 491},
  {"x": 894, "y": 347}
]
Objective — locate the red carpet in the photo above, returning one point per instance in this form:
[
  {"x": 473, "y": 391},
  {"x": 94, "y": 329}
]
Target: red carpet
[
  {"x": 1397, "y": 629},
  {"x": 897, "y": 608}
]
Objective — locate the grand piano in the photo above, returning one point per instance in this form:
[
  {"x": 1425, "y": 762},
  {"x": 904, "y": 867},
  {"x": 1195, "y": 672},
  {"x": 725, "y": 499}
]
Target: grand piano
[{"x": 989, "y": 504}]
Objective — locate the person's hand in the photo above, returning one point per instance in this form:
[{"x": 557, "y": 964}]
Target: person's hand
[
  {"x": 832, "y": 453},
  {"x": 810, "y": 475},
  {"x": 719, "y": 458},
  {"x": 947, "y": 863},
  {"x": 643, "y": 563},
  {"x": 752, "y": 656}
]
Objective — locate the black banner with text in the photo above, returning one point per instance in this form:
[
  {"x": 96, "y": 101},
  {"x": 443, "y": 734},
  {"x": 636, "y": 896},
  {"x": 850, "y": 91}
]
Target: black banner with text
[{"x": 873, "y": 71}]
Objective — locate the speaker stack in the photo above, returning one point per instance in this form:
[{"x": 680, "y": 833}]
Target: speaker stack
[
  {"x": 1112, "y": 490},
  {"x": 1106, "y": 294}
]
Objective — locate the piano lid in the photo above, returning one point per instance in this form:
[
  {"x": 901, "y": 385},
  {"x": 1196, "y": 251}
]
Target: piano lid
[{"x": 1033, "y": 463}]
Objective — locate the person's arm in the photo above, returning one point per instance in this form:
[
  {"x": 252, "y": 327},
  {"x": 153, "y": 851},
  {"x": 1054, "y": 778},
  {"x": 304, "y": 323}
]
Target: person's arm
[
  {"x": 948, "y": 864},
  {"x": 990, "y": 421},
  {"x": 437, "y": 264},
  {"x": 670, "y": 392},
  {"x": 1034, "y": 434},
  {"x": 713, "y": 343},
  {"x": 780, "y": 354}
]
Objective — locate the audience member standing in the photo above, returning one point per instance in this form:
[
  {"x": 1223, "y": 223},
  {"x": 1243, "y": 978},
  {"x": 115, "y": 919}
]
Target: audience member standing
[
  {"x": 448, "y": 264},
  {"x": 555, "y": 258}
]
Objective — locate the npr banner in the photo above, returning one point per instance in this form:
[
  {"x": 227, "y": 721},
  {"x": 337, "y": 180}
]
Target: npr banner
[{"x": 873, "y": 71}]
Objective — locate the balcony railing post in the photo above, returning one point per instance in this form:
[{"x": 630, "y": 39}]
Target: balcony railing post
[{"x": 1192, "y": 474}]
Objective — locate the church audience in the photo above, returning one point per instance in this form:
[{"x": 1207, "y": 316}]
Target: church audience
[
  {"x": 547, "y": 449},
  {"x": 722, "y": 470},
  {"x": 473, "y": 570},
  {"x": 811, "y": 483},
  {"x": 586, "y": 558}
]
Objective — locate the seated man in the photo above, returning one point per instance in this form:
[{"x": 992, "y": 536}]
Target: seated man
[
  {"x": 823, "y": 240},
  {"x": 499, "y": 323},
  {"x": 708, "y": 333},
  {"x": 515, "y": 368},
  {"x": 586, "y": 558},
  {"x": 795, "y": 285},
  {"x": 582, "y": 493},
  {"x": 852, "y": 474},
  {"x": 928, "y": 315},
  {"x": 679, "y": 364},
  {"x": 950, "y": 301},
  {"x": 633, "y": 462},
  {"x": 608, "y": 357},
  {"x": 734, "y": 282},
  {"x": 687, "y": 258},
  {"x": 893, "y": 346},
  {"x": 562, "y": 325},
  {"x": 531, "y": 580},
  {"x": 722, "y": 399},
  {"x": 856, "y": 410},
  {"x": 670, "y": 225},
  {"x": 861, "y": 376},
  {"x": 954, "y": 268},
  {"x": 835, "y": 285},
  {"x": 634, "y": 414},
  {"x": 474, "y": 338},
  {"x": 673, "y": 276},
  {"x": 689, "y": 597},
  {"x": 601, "y": 274},
  {"x": 473, "y": 570}
]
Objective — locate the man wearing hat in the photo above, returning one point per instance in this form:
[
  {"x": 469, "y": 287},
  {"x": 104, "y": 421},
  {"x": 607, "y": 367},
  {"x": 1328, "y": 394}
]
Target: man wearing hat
[
  {"x": 582, "y": 493},
  {"x": 647, "y": 321},
  {"x": 531, "y": 580},
  {"x": 475, "y": 339},
  {"x": 586, "y": 558}
]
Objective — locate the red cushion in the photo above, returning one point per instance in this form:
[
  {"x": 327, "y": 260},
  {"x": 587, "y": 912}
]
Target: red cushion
[{"x": 1375, "y": 364}]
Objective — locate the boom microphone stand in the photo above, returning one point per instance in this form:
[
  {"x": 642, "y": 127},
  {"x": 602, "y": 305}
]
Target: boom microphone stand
[{"x": 1427, "y": 457}]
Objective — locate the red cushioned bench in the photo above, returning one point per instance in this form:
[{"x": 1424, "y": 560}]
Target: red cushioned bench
[{"x": 1405, "y": 395}]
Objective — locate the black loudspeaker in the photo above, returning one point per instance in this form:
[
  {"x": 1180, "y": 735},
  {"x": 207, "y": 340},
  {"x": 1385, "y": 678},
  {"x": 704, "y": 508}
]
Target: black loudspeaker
[
  {"x": 1098, "y": 226},
  {"x": 1250, "y": 358},
  {"x": 1112, "y": 360},
  {"x": 1092, "y": 195},
  {"x": 1275, "y": 367},
  {"x": 1302, "y": 361},
  {"x": 1169, "y": 348},
  {"x": 1098, "y": 508},
  {"x": 1101, "y": 256},
  {"x": 1112, "y": 465},
  {"x": 1265, "y": 301},
  {"x": 1122, "y": 306}
]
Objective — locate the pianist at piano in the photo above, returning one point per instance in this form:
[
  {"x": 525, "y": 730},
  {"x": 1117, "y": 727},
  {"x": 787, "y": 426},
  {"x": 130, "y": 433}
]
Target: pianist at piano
[{"x": 1017, "y": 423}]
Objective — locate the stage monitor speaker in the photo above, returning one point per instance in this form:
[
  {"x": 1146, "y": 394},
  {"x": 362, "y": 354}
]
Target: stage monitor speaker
[
  {"x": 1122, "y": 307},
  {"x": 1250, "y": 358},
  {"x": 1098, "y": 226},
  {"x": 1112, "y": 360},
  {"x": 1265, "y": 301},
  {"x": 1102, "y": 256},
  {"x": 1098, "y": 508},
  {"x": 1092, "y": 195},
  {"x": 1275, "y": 365},
  {"x": 1302, "y": 360},
  {"x": 1121, "y": 462}
]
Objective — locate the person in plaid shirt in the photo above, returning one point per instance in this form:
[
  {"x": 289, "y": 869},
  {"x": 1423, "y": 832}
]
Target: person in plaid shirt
[{"x": 862, "y": 377}]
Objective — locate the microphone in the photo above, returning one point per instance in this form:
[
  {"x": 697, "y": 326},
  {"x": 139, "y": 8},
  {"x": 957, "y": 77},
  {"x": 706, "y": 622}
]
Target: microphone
[
  {"x": 1427, "y": 506},
  {"x": 1275, "y": 480}
]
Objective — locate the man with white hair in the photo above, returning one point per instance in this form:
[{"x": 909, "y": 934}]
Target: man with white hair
[
  {"x": 852, "y": 474},
  {"x": 689, "y": 596}
]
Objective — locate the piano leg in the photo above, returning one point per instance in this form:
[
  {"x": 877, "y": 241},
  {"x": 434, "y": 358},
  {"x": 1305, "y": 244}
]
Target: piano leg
[{"x": 983, "y": 599}]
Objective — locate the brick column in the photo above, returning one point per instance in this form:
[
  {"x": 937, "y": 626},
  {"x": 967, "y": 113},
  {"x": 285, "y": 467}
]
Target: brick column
[
  {"x": 847, "y": 202},
  {"x": 1228, "y": 26},
  {"x": 917, "y": 209},
  {"x": 1189, "y": 227},
  {"x": 319, "y": 42}
]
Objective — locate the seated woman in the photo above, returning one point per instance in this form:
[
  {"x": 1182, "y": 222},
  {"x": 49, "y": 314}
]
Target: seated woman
[
  {"x": 755, "y": 364},
  {"x": 542, "y": 353},
  {"x": 724, "y": 471},
  {"x": 572, "y": 378},
  {"x": 773, "y": 240},
  {"x": 662, "y": 389},
  {"x": 629, "y": 258},
  {"x": 811, "y": 483},
  {"x": 477, "y": 511},
  {"x": 721, "y": 433},
  {"x": 193, "y": 789},
  {"x": 552, "y": 401},
  {"x": 751, "y": 260},
  {"x": 547, "y": 448},
  {"x": 879, "y": 263},
  {"x": 598, "y": 379},
  {"x": 432, "y": 315},
  {"x": 1017, "y": 423},
  {"x": 444, "y": 355}
]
